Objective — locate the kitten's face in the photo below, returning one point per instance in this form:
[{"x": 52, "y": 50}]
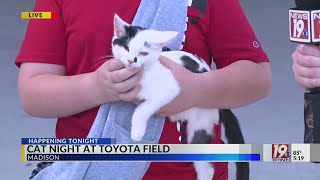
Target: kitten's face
[{"x": 136, "y": 46}]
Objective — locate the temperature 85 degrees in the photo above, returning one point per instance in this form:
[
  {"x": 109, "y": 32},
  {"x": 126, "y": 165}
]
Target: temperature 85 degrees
[
  {"x": 300, "y": 152},
  {"x": 297, "y": 156}
]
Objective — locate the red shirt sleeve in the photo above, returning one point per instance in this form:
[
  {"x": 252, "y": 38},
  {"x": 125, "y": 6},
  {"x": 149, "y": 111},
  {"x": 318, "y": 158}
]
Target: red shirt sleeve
[
  {"x": 231, "y": 36},
  {"x": 45, "y": 40}
]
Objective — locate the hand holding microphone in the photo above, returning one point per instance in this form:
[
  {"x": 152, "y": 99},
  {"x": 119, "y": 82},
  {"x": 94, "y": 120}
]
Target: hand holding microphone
[
  {"x": 304, "y": 25},
  {"x": 305, "y": 28},
  {"x": 306, "y": 65}
]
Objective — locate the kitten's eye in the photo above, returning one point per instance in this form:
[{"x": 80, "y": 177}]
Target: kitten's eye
[{"x": 143, "y": 53}]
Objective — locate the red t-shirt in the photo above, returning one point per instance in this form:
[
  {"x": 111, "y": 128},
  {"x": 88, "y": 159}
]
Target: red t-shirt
[{"x": 83, "y": 31}]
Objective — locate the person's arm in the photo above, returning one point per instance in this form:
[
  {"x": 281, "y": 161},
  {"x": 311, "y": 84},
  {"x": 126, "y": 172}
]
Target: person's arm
[
  {"x": 241, "y": 83},
  {"x": 306, "y": 65},
  {"x": 243, "y": 74},
  {"x": 45, "y": 91}
]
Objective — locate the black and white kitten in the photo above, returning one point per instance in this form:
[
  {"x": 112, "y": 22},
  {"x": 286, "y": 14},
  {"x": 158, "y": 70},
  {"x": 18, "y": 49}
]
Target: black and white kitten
[{"x": 138, "y": 47}]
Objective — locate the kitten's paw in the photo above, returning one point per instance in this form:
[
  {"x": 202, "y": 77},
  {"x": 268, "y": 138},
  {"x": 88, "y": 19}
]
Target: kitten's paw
[
  {"x": 137, "y": 135},
  {"x": 210, "y": 172},
  {"x": 204, "y": 171},
  {"x": 208, "y": 175}
]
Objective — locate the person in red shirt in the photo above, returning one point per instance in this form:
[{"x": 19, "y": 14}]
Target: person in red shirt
[{"x": 60, "y": 78}]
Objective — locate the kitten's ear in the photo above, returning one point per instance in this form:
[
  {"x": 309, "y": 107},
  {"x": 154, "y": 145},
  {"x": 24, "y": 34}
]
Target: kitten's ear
[
  {"x": 119, "y": 25},
  {"x": 161, "y": 38}
]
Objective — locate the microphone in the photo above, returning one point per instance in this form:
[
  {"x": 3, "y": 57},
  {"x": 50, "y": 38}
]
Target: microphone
[
  {"x": 307, "y": 4},
  {"x": 305, "y": 22},
  {"x": 304, "y": 25}
]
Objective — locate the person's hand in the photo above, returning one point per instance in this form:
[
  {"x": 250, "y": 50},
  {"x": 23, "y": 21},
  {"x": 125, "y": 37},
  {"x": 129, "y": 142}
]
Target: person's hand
[
  {"x": 306, "y": 65},
  {"x": 115, "y": 82},
  {"x": 185, "y": 100}
]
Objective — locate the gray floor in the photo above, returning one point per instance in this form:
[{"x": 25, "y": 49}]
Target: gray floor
[{"x": 276, "y": 119}]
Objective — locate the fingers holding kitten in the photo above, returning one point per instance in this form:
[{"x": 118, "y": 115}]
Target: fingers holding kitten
[
  {"x": 116, "y": 82},
  {"x": 127, "y": 84},
  {"x": 123, "y": 74},
  {"x": 130, "y": 95}
]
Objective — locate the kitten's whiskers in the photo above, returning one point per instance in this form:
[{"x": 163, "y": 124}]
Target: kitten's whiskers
[{"x": 141, "y": 70}]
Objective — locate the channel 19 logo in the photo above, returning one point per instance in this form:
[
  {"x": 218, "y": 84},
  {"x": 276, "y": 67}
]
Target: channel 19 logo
[{"x": 280, "y": 152}]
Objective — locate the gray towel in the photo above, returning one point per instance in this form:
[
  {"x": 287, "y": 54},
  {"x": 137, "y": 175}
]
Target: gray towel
[
  {"x": 114, "y": 119},
  {"x": 164, "y": 15}
]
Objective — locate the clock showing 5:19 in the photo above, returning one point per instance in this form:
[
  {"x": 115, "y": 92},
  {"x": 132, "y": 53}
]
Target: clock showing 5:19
[{"x": 296, "y": 155}]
